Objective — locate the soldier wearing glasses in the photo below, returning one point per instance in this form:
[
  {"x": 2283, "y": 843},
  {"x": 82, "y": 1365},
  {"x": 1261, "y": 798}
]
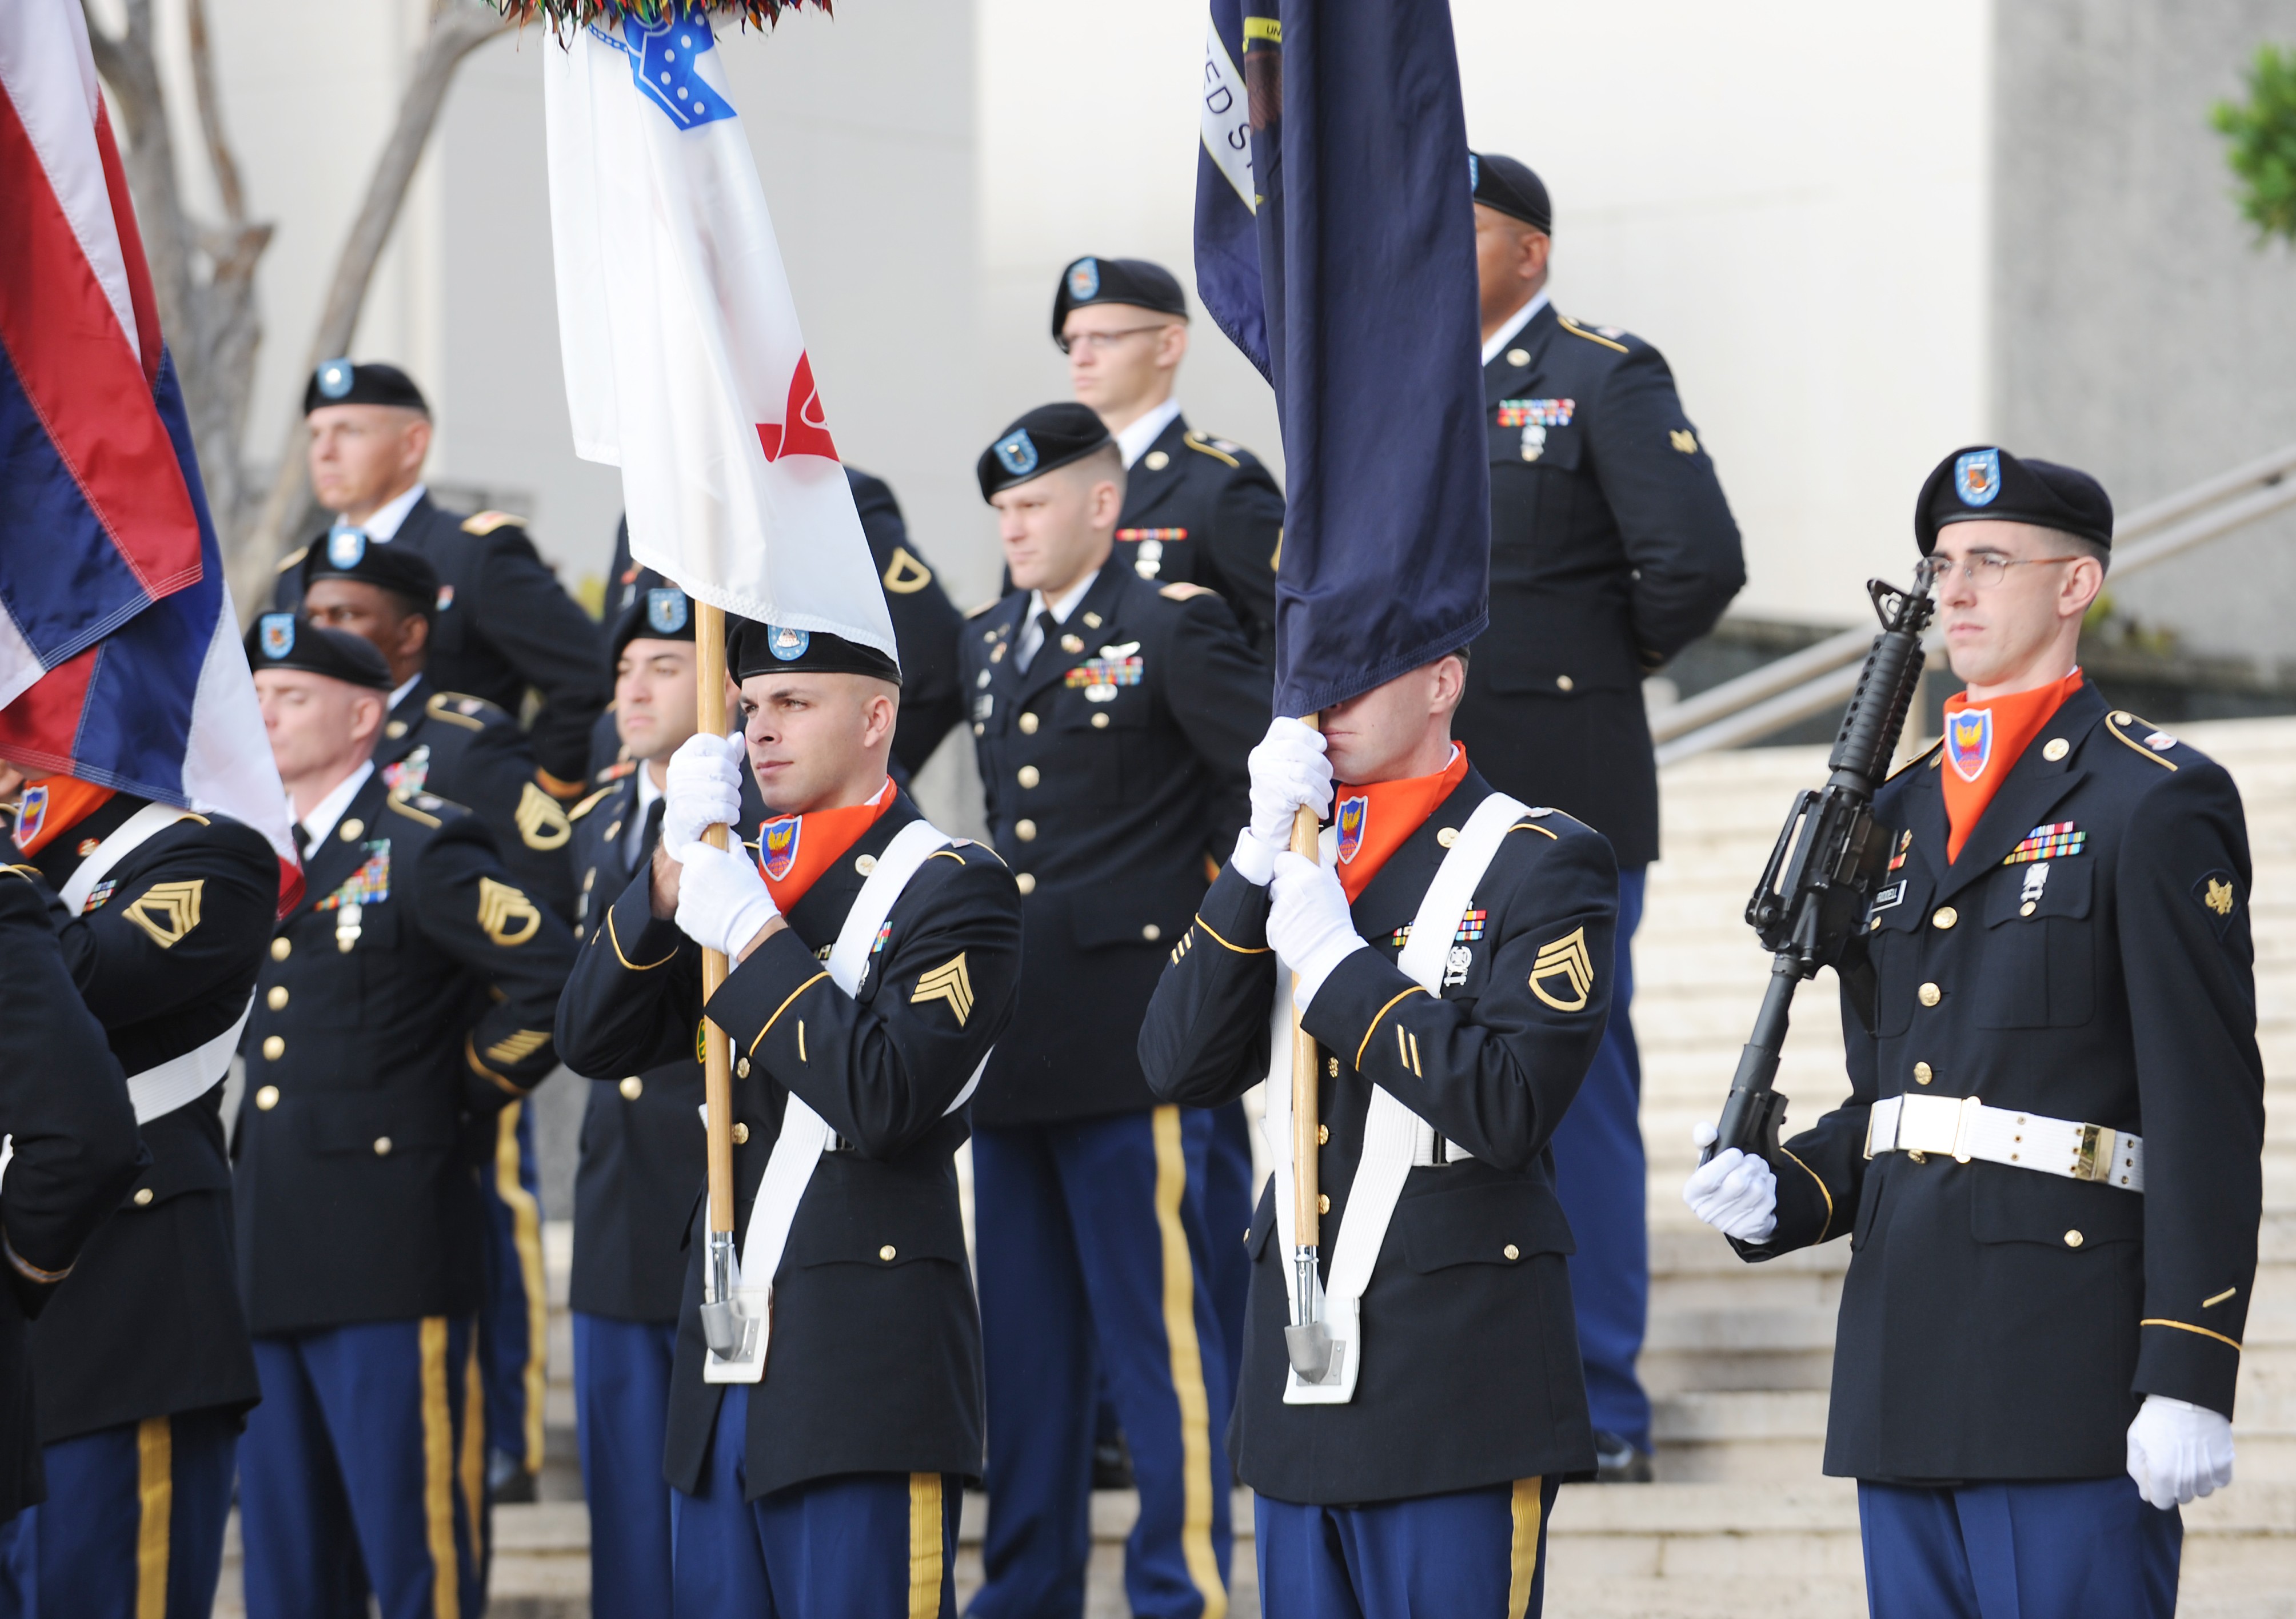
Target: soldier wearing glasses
[{"x": 2051, "y": 1151}]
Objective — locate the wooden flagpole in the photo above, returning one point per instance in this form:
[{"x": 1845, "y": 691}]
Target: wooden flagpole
[{"x": 717, "y": 1059}]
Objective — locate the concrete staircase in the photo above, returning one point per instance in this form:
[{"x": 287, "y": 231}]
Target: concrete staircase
[{"x": 1738, "y": 1356}]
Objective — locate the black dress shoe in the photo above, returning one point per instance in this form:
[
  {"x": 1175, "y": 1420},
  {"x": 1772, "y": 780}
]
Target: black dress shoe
[
  {"x": 1111, "y": 1465},
  {"x": 1616, "y": 1462}
]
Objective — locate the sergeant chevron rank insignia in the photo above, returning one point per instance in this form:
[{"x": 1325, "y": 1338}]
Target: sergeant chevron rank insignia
[
  {"x": 166, "y": 911},
  {"x": 1566, "y": 958},
  {"x": 506, "y": 915},
  {"x": 949, "y": 983},
  {"x": 541, "y": 822}
]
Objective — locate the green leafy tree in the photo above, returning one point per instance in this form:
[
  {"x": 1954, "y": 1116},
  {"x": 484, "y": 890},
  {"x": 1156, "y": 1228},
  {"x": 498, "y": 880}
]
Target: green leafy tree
[{"x": 2261, "y": 140}]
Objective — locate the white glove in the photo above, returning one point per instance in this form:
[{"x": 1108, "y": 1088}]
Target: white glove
[
  {"x": 1309, "y": 923},
  {"x": 722, "y": 899},
  {"x": 2177, "y": 1450},
  {"x": 703, "y": 790},
  {"x": 1287, "y": 770},
  {"x": 1733, "y": 1192}
]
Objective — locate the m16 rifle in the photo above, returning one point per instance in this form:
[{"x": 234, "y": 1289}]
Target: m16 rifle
[{"x": 1814, "y": 894}]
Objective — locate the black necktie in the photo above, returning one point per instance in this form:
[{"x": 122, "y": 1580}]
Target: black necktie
[
  {"x": 1049, "y": 626},
  {"x": 302, "y": 840},
  {"x": 652, "y": 834}
]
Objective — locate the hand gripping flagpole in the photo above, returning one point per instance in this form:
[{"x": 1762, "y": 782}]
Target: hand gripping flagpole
[
  {"x": 728, "y": 1332},
  {"x": 1306, "y": 1340}
]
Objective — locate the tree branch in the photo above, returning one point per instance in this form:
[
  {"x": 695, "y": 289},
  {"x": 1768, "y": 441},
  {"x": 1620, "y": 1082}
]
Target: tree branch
[{"x": 203, "y": 87}]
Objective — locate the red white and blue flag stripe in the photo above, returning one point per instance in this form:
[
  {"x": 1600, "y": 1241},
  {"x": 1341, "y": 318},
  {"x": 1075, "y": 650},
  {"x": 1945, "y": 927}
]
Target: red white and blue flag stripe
[{"x": 120, "y": 661}]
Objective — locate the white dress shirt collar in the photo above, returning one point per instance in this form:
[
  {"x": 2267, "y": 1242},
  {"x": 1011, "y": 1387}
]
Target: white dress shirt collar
[
  {"x": 329, "y": 809},
  {"x": 633, "y": 832},
  {"x": 384, "y": 524},
  {"x": 1516, "y": 322},
  {"x": 1132, "y": 442},
  {"x": 400, "y": 695}
]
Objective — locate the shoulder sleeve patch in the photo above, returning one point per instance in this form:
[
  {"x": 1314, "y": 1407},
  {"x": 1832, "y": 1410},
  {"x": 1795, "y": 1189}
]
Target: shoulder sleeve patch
[
  {"x": 293, "y": 559},
  {"x": 1218, "y": 451},
  {"x": 588, "y": 804},
  {"x": 487, "y": 522},
  {"x": 905, "y": 575},
  {"x": 1576, "y": 329},
  {"x": 1183, "y": 591}
]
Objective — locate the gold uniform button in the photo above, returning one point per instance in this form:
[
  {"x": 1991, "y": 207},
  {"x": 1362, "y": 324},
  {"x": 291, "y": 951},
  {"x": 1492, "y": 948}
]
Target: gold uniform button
[
  {"x": 866, "y": 864},
  {"x": 1323, "y": 1202},
  {"x": 1946, "y": 917},
  {"x": 979, "y": 729},
  {"x": 273, "y": 1047},
  {"x": 1073, "y": 642},
  {"x": 277, "y": 998},
  {"x": 1152, "y": 932},
  {"x": 1025, "y": 831},
  {"x": 1029, "y": 724},
  {"x": 1030, "y": 776},
  {"x": 580, "y": 928},
  {"x": 1322, "y": 1135},
  {"x": 2057, "y": 749},
  {"x": 1100, "y": 722},
  {"x": 142, "y": 1196},
  {"x": 280, "y": 949},
  {"x": 1922, "y": 1074},
  {"x": 1928, "y": 994},
  {"x": 742, "y": 1068},
  {"x": 2123, "y": 717},
  {"x": 2073, "y": 1239},
  {"x": 352, "y": 828},
  {"x": 1025, "y": 882},
  {"x": 631, "y": 1087},
  {"x": 396, "y": 729},
  {"x": 1447, "y": 836},
  {"x": 2029, "y": 908},
  {"x": 1563, "y": 683},
  {"x": 1157, "y": 460},
  {"x": 383, "y": 1146},
  {"x": 1511, "y": 1252},
  {"x": 741, "y": 1133},
  {"x": 1518, "y": 356},
  {"x": 266, "y": 1098},
  {"x": 887, "y": 1252}
]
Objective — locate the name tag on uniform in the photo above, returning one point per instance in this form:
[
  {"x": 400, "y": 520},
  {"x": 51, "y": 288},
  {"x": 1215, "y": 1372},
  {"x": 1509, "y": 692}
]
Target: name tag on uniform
[{"x": 1886, "y": 898}]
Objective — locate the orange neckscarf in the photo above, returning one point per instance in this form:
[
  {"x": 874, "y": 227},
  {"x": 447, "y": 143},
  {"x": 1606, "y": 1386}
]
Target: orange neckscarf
[
  {"x": 1376, "y": 819},
  {"x": 1983, "y": 742},
  {"x": 801, "y": 847},
  {"x": 53, "y": 806}
]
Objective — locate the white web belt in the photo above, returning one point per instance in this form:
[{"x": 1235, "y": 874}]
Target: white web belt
[{"x": 1963, "y": 1129}]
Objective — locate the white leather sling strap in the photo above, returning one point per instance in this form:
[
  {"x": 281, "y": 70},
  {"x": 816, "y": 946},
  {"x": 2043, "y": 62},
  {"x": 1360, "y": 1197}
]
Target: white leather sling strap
[
  {"x": 804, "y": 1134},
  {"x": 1395, "y": 1138},
  {"x": 1963, "y": 1128},
  {"x": 189, "y": 1075}
]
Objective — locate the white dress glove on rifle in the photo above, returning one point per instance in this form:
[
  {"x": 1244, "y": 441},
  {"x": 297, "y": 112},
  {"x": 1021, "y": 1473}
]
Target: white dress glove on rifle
[
  {"x": 2177, "y": 1450},
  {"x": 722, "y": 899},
  {"x": 1736, "y": 1194},
  {"x": 702, "y": 789},
  {"x": 1287, "y": 770},
  {"x": 1307, "y": 922}
]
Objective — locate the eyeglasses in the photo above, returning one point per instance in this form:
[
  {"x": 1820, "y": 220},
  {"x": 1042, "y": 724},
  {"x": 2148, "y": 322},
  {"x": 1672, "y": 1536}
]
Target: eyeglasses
[
  {"x": 1986, "y": 569},
  {"x": 1101, "y": 342}
]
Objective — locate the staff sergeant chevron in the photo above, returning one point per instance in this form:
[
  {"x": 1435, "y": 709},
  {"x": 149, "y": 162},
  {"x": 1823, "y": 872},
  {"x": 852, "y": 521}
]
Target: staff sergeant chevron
[
  {"x": 949, "y": 983},
  {"x": 1565, "y": 958}
]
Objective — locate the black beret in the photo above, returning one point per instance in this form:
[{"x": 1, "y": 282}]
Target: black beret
[
  {"x": 1049, "y": 436},
  {"x": 1982, "y": 481},
  {"x": 764, "y": 649},
  {"x": 1511, "y": 188},
  {"x": 341, "y": 382},
  {"x": 280, "y": 640},
  {"x": 1137, "y": 281},
  {"x": 658, "y": 610},
  {"x": 348, "y": 553}
]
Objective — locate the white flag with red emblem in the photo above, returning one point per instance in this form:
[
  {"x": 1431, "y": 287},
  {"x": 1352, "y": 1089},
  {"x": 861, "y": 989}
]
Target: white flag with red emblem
[{"x": 684, "y": 363}]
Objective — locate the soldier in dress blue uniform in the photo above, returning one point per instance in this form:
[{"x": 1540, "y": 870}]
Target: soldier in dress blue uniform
[
  {"x": 1111, "y": 716},
  {"x": 2049, "y": 1164},
  {"x": 1612, "y": 550},
  {"x": 1199, "y": 510},
  {"x": 925, "y": 625},
  {"x": 405, "y": 999},
  {"x": 73, "y": 1155},
  {"x": 468, "y": 751},
  {"x": 1453, "y": 954},
  {"x": 642, "y": 1145},
  {"x": 872, "y": 963},
  {"x": 141, "y": 1362},
  {"x": 501, "y": 622}
]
